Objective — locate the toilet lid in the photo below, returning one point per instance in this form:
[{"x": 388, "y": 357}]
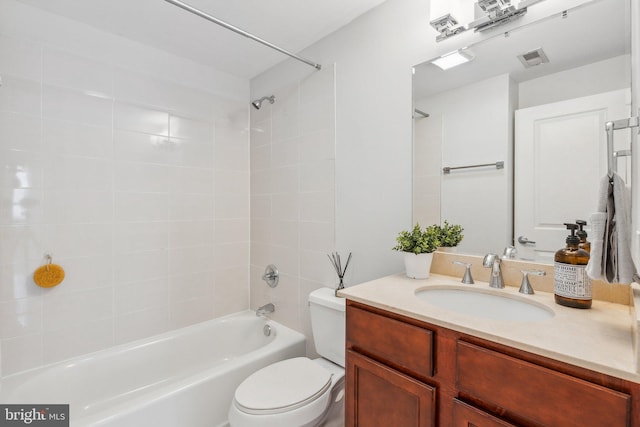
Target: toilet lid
[{"x": 282, "y": 386}]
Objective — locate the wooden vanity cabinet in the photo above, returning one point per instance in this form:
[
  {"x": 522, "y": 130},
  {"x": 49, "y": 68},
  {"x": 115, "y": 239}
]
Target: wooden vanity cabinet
[{"x": 401, "y": 372}]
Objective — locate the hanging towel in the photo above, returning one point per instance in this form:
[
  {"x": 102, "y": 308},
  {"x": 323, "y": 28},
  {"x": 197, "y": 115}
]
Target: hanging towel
[{"x": 610, "y": 258}]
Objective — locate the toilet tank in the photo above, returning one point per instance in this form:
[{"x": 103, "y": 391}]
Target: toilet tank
[{"x": 328, "y": 324}]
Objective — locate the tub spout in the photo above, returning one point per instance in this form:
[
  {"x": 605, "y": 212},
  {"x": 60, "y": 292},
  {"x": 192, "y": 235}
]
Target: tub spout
[{"x": 265, "y": 309}]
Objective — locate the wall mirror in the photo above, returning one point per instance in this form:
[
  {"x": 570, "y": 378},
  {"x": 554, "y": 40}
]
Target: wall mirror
[{"x": 527, "y": 111}]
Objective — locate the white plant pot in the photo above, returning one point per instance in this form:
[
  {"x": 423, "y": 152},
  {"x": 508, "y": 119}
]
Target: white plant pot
[
  {"x": 448, "y": 249},
  {"x": 417, "y": 266}
]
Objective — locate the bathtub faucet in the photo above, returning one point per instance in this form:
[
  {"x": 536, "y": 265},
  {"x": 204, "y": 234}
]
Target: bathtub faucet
[{"x": 267, "y": 308}]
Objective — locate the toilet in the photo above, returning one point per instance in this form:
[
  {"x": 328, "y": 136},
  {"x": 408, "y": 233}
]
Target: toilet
[{"x": 299, "y": 392}]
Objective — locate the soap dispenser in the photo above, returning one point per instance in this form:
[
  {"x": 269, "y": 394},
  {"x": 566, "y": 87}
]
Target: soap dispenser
[
  {"x": 571, "y": 285},
  {"x": 582, "y": 234}
]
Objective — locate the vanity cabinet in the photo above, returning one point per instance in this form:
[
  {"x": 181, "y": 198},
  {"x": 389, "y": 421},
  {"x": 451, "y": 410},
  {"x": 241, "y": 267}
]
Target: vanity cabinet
[{"x": 404, "y": 372}]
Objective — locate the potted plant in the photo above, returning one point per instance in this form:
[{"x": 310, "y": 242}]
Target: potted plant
[
  {"x": 418, "y": 246},
  {"x": 450, "y": 235}
]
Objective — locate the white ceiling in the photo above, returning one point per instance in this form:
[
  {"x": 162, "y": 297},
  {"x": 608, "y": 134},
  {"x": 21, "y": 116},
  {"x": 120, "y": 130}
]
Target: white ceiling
[
  {"x": 592, "y": 32},
  {"x": 289, "y": 24}
]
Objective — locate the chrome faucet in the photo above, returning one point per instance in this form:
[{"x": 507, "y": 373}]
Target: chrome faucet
[
  {"x": 493, "y": 261},
  {"x": 265, "y": 309}
]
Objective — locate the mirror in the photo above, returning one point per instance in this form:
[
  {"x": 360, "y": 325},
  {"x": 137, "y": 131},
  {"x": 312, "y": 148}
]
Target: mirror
[{"x": 476, "y": 113}]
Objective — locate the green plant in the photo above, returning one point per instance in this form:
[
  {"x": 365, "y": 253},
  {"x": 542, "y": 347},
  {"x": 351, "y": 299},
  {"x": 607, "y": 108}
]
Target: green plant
[
  {"x": 450, "y": 235},
  {"x": 419, "y": 241}
]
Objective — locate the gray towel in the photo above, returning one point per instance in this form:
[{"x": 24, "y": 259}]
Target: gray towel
[{"x": 610, "y": 259}]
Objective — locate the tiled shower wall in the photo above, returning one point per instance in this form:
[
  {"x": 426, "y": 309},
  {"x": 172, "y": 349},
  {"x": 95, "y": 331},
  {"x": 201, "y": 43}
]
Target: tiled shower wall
[
  {"x": 293, "y": 196},
  {"x": 134, "y": 177}
]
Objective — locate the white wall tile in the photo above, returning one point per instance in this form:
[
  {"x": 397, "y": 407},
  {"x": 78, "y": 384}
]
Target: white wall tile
[
  {"x": 184, "y": 128},
  {"x": 61, "y": 312},
  {"x": 317, "y": 206},
  {"x": 190, "y": 207},
  {"x": 21, "y": 169},
  {"x": 75, "y": 139},
  {"x": 20, "y": 58},
  {"x": 232, "y": 206},
  {"x": 141, "y": 207},
  {"x": 141, "y": 147},
  {"x": 19, "y": 95},
  {"x": 141, "y": 324},
  {"x": 76, "y": 107},
  {"x": 21, "y": 206},
  {"x": 20, "y": 132},
  {"x": 78, "y": 173},
  {"x": 191, "y": 285},
  {"x": 231, "y": 291},
  {"x": 20, "y": 317},
  {"x": 317, "y": 176},
  {"x": 82, "y": 206},
  {"x": 191, "y": 233},
  {"x": 77, "y": 338},
  {"x": 141, "y": 177},
  {"x": 137, "y": 296},
  {"x": 317, "y": 236},
  {"x": 141, "y": 236},
  {"x": 190, "y": 180},
  {"x": 20, "y": 243},
  {"x": 76, "y": 240},
  {"x": 21, "y": 353},
  {"x": 140, "y": 266},
  {"x": 192, "y": 311},
  {"x": 16, "y": 281},
  {"x": 284, "y": 180},
  {"x": 140, "y": 119},
  {"x": 75, "y": 72}
]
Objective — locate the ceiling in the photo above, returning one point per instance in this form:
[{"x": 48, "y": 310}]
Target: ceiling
[
  {"x": 290, "y": 24},
  {"x": 593, "y": 32}
]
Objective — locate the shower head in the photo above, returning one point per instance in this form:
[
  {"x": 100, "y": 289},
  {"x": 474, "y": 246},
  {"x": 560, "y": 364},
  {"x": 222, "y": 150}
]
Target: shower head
[{"x": 258, "y": 102}]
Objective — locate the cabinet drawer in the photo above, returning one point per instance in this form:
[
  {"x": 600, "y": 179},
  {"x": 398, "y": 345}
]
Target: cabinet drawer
[
  {"x": 535, "y": 394},
  {"x": 468, "y": 416},
  {"x": 397, "y": 343}
]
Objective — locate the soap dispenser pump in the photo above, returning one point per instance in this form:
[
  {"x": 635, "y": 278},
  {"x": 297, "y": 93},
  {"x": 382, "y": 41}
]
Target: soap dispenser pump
[
  {"x": 582, "y": 234},
  {"x": 571, "y": 285}
]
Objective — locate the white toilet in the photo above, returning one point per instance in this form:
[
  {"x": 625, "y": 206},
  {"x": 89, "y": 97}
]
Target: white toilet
[{"x": 298, "y": 392}]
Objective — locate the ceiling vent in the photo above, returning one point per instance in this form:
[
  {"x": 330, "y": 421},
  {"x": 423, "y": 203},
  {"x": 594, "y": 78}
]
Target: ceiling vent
[{"x": 533, "y": 58}]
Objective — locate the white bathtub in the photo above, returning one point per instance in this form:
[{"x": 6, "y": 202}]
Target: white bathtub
[{"x": 183, "y": 378}]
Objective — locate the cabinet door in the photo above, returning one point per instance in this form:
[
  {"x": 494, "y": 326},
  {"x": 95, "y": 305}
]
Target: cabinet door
[
  {"x": 467, "y": 416},
  {"x": 379, "y": 396}
]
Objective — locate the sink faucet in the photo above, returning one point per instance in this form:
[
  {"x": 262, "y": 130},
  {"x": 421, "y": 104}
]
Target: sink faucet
[
  {"x": 267, "y": 308},
  {"x": 493, "y": 261}
]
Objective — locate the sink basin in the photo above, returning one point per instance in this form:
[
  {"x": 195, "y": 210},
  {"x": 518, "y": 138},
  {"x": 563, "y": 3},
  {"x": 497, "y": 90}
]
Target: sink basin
[{"x": 473, "y": 302}]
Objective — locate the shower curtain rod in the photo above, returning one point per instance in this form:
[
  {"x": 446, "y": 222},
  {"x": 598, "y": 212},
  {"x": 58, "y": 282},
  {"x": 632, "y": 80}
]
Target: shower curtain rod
[{"x": 237, "y": 30}]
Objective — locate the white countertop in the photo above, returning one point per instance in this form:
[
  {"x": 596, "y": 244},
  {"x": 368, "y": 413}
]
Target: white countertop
[{"x": 601, "y": 338}]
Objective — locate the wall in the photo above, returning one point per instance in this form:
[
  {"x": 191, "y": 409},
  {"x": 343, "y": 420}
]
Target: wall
[
  {"x": 293, "y": 195},
  {"x": 130, "y": 167}
]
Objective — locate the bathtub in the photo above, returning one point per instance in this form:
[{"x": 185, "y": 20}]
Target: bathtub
[{"x": 185, "y": 377}]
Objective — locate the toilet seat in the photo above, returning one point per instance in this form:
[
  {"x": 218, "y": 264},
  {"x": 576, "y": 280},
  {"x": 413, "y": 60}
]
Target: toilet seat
[{"x": 282, "y": 387}]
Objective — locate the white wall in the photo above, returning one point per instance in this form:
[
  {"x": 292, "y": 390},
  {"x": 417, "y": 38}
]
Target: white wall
[
  {"x": 373, "y": 57},
  {"x": 129, "y": 166}
]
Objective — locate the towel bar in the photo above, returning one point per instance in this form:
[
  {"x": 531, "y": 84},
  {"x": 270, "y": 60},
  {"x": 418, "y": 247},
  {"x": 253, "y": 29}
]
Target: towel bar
[
  {"x": 498, "y": 165},
  {"x": 631, "y": 122}
]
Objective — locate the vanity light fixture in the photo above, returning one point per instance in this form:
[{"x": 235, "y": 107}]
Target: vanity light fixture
[
  {"x": 447, "y": 26},
  {"x": 453, "y": 59}
]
